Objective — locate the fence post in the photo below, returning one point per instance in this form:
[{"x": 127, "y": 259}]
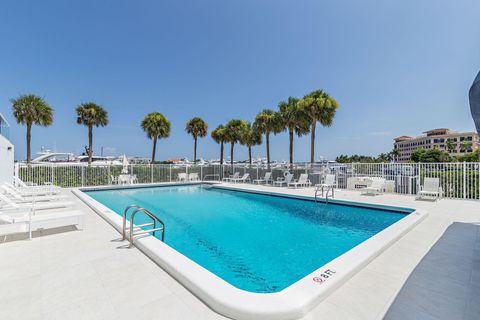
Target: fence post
[
  {"x": 83, "y": 176},
  {"x": 201, "y": 173},
  {"x": 464, "y": 180},
  {"x": 170, "y": 172}
]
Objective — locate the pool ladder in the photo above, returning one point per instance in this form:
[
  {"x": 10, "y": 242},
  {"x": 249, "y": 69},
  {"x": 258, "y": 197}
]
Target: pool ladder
[
  {"x": 136, "y": 230},
  {"x": 317, "y": 190}
]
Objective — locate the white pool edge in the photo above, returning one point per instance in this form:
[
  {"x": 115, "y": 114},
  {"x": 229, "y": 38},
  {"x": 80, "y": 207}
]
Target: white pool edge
[{"x": 291, "y": 303}]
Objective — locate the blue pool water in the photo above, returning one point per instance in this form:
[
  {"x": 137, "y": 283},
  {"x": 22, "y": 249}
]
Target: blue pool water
[{"x": 257, "y": 243}]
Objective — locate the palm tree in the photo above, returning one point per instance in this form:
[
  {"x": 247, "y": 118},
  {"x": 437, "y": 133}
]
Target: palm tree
[
  {"x": 395, "y": 154},
  {"x": 157, "y": 126},
  {"x": 197, "y": 128},
  {"x": 90, "y": 114},
  {"x": 451, "y": 146},
  {"x": 250, "y": 137},
  {"x": 319, "y": 107},
  {"x": 294, "y": 120},
  {"x": 266, "y": 122},
  {"x": 465, "y": 145},
  {"x": 233, "y": 133},
  {"x": 29, "y": 110},
  {"x": 219, "y": 136}
]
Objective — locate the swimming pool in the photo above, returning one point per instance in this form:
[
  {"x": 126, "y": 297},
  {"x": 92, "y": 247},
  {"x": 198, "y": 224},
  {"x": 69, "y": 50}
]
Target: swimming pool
[{"x": 248, "y": 246}]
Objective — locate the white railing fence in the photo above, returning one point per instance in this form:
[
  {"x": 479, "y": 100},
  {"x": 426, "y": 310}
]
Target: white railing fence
[{"x": 459, "y": 180}]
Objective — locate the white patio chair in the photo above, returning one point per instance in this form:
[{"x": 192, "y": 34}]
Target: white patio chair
[
  {"x": 430, "y": 189},
  {"x": 7, "y": 203},
  {"x": 281, "y": 181},
  {"x": 18, "y": 197},
  {"x": 236, "y": 175},
  {"x": 19, "y": 183},
  {"x": 193, "y": 177},
  {"x": 28, "y": 221},
  {"x": 244, "y": 178},
  {"x": 377, "y": 187},
  {"x": 266, "y": 179},
  {"x": 302, "y": 181},
  {"x": 182, "y": 177}
]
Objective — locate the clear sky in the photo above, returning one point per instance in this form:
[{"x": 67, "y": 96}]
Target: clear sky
[{"x": 396, "y": 67}]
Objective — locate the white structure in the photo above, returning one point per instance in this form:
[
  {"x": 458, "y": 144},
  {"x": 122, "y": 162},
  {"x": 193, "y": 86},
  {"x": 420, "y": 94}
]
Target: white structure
[{"x": 6, "y": 152}]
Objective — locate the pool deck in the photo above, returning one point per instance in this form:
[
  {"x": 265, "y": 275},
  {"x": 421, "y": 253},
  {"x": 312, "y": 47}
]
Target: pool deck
[{"x": 88, "y": 275}]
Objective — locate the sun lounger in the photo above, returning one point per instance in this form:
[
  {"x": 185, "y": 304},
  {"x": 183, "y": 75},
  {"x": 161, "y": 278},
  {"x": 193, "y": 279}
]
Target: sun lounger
[
  {"x": 281, "y": 181},
  {"x": 236, "y": 175},
  {"x": 193, "y": 177},
  {"x": 430, "y": 189},
  {"x": 244, "y": 178},
  {"x": 29, "y": 222},
  {"x": 377, "y": 187},
  {"x": 266, "y": 179},
  {"x": 7, "y": 203},
  {"x": 19, "y": 197},
  {"x": 302, "y": 181}
]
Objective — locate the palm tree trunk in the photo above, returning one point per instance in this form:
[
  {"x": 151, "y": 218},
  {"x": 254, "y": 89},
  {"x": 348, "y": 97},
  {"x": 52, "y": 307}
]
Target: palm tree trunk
[
  {"x": 290, "y": 135},
  {"x": 195, "y": 150},
  {"x": 231, "y": 154},
  {"x": 90, "y": 143},
  {"x": 221, "y": 153},
  {"x": 267, "y": 137},
  {"x": 154, "y": 149},
  {"x": 29, "y": 138},
  {"x": 250, "y": 155},
  {"x": 312, "y": 142}
]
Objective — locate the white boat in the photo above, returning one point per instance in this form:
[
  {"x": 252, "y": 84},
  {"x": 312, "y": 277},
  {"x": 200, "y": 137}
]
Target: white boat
[{"x": 68, "y": 158}]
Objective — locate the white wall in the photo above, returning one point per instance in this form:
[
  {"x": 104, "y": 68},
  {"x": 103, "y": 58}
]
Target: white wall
[{"x": 6, "y": 160}]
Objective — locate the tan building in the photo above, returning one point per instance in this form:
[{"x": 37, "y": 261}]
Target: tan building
[{"x": 461, "y": 142}]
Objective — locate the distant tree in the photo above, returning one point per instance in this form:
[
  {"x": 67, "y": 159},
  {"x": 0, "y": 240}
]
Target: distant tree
[
  {"x": 218, "y": 135},
  {"x": 469, "y": 157},
  {"x": 157, "y": 126},
  {"x": 250, "y": 137},
  {"x": 395, "y": 153},
  {"x": 29, "y": 110},
  {"x": 197, "y": 128},
  {"x": 382, "y": 157},
  {"x": 319, "y": 107},
  {"x": 294, "y": 120},
  {"x": 451, "y": 146},
  {"x": 429, "y": 156},
  {"x": 233, "y": 132},
  {"x": 465, "y": 146},
  {"x": 90, "y": 114},
  {"x": 267, "y": 121}
]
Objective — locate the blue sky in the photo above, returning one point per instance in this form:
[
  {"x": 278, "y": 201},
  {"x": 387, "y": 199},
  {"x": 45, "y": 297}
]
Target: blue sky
[{"x": 396, "y": 67}]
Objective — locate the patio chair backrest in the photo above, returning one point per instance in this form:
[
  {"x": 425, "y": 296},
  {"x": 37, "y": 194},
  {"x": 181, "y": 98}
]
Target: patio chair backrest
[
  {"x": 182, "y": 176},
  {"x": 330, "y": 179},
  {"x": 288, "y": 178},
  {"x": 303, "y": 178},
  {"x": 268, "y": 176},
  {"x": 19, "y": 182},
  {"x": 245, "y": 176},
  {"x": 236, "y": 175},
  {"x": 431, "y": 184}
]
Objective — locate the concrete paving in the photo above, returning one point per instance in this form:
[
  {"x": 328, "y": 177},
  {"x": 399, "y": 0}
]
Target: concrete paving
[{"x": 88, "y": 274}]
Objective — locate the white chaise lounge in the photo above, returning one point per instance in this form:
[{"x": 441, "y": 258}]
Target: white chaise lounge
[
  {"x": 266, "y": 179},
  {"x": 244, "y": 178},
  {"x": 28, "y": 222},
  {"x": 431, "y": 189},
  {"x": 377, "y": 187},
  {"x": 7, "y": 203},
  {"x": 302, "y": 181},
  {"x": 281, "y": 181},
  {"x": 236, "y": 175}
]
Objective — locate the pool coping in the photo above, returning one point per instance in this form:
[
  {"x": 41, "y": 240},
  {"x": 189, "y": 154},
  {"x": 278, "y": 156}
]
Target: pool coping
[{"x": 290, "y": 303}]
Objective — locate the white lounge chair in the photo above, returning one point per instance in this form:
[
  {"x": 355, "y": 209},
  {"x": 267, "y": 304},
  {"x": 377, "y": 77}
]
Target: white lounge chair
[
  {"x": 281, "y": 181},
  {"x": 28, "y": 221},
  {"x": 7, "y": 203},
  {"x": 302, "y": 181},
  {"x": 266, "y": 179},
  {"x": 193, "y": 177},
  {"x": 182, "y": 177},
  {"x": 244, "y": 178},
  {"x": 21, "y": 184},
  {"x": 431, "y": 189},
  {"x": 19, "y": 197},
  {"x": 113, "y": 179},
  {"x": 377, "y": 187},
  {"x": 236, "y": 175}
]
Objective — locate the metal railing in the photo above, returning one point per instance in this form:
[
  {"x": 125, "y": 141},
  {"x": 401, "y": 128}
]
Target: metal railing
[
  {"x": 136, "y": 230},
  {"x": 459, "y": 180}
]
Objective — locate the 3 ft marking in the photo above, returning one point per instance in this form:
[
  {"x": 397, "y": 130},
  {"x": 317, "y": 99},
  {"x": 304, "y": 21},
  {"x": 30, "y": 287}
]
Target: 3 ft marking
[{"x": 324, "y": 276}]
